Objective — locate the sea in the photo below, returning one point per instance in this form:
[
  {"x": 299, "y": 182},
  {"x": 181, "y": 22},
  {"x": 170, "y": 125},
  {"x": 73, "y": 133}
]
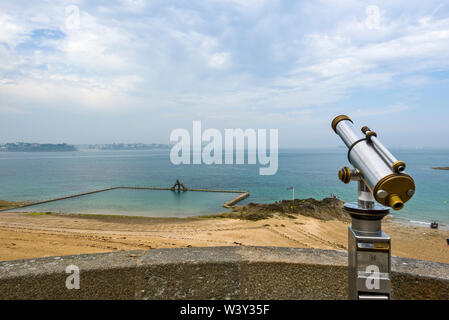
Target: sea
[{"x": 33, "y": 176}]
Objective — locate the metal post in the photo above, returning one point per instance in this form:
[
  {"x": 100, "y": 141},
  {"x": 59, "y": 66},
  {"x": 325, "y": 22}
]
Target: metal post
[{"x": 369, "y": 249}]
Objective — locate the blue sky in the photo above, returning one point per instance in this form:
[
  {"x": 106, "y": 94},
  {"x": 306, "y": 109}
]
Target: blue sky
[{"x": 134, "y": 70}]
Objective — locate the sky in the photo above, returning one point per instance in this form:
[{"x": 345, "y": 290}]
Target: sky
[{"x": 134, "y": 70}]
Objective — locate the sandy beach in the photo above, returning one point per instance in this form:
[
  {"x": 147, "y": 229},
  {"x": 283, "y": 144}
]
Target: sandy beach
[{"x": 24, "y": 236}]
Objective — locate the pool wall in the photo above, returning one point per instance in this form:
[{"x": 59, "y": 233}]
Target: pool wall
[{"x": 242, "y": 195}]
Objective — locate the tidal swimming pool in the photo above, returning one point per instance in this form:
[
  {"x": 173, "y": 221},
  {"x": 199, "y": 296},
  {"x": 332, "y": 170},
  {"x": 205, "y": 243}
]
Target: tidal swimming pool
[{"x": 138, "y": 202}]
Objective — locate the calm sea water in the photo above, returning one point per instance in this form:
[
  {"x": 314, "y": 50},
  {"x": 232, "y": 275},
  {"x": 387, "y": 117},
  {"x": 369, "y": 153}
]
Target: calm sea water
[{"x": 313, "y": 173}]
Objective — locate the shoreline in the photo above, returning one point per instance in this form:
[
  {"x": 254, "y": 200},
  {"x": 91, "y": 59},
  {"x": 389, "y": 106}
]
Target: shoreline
[
  {"x": 231, "y": 205},
  {"x": 417, "y": 223},
  {"x": 390, "y": 218},
  {"x": 25, "y": 235},
  {"x": 221, "y": 215}
]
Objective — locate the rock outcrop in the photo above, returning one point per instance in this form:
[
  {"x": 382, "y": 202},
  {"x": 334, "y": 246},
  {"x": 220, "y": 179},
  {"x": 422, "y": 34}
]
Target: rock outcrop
[{"x": 326, "y": 209}]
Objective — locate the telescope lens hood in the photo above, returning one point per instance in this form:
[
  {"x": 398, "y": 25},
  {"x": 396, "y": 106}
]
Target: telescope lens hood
[{"x": 337, "y": 119}]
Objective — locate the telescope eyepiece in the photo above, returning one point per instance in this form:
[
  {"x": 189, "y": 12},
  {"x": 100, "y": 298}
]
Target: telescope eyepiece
[
  {"x": 398, "y": 166},
  {"x": 395, "y": 202}
]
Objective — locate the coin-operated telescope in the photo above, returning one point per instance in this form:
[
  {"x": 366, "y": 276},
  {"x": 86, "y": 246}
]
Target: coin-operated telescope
[{"x": 381, "y": 178}]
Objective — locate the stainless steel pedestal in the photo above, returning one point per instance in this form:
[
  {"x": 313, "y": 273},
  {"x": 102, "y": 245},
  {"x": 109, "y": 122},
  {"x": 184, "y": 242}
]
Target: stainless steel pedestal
[
  {"x": 369, "y": 249},
  {"x": 369, "y": 264}
]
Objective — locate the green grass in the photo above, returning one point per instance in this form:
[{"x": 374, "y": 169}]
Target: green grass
[
  {"x": 38, "y": 213},
  {"x": 98, "y": 215},
  {"x": 242, "y": 215},
  {"x": 89, "y": 215},
  {"x": 94, "y": 215}
]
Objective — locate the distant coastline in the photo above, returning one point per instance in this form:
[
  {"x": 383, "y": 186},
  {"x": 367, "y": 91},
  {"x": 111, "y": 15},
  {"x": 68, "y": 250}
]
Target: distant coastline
[
  {"x": 36, "y": 147},
  {"x": 123, "y": 146},
  {"x": 441, "y": 168},
  {"x": 62, "y": 147}
]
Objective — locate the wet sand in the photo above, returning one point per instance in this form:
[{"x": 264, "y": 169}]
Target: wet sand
[{"x": 24, "y": 236}]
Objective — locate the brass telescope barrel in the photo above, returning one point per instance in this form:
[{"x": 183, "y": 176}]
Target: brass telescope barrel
[{"x": 380, "y": 170}]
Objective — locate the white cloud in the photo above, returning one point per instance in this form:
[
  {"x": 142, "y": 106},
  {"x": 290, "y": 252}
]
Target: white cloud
[
  {"x": 338, "y": 61},
  {"x": 134, "y": 5},
  {"x": 219, "y": 60},
  {"x": 252, "y": 57},
  {"x": 11, "y": 32},
  {"x": 13, "y": 110},
  {"x": 62, "y": 95},
  {"x": 249, "y": 5},
  {"x": 395, "y": 108},
  {"x": 94, "y": 46}
]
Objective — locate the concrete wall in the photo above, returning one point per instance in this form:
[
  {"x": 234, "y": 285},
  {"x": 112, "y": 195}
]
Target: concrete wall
[{"x": 211, "y": 273}]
